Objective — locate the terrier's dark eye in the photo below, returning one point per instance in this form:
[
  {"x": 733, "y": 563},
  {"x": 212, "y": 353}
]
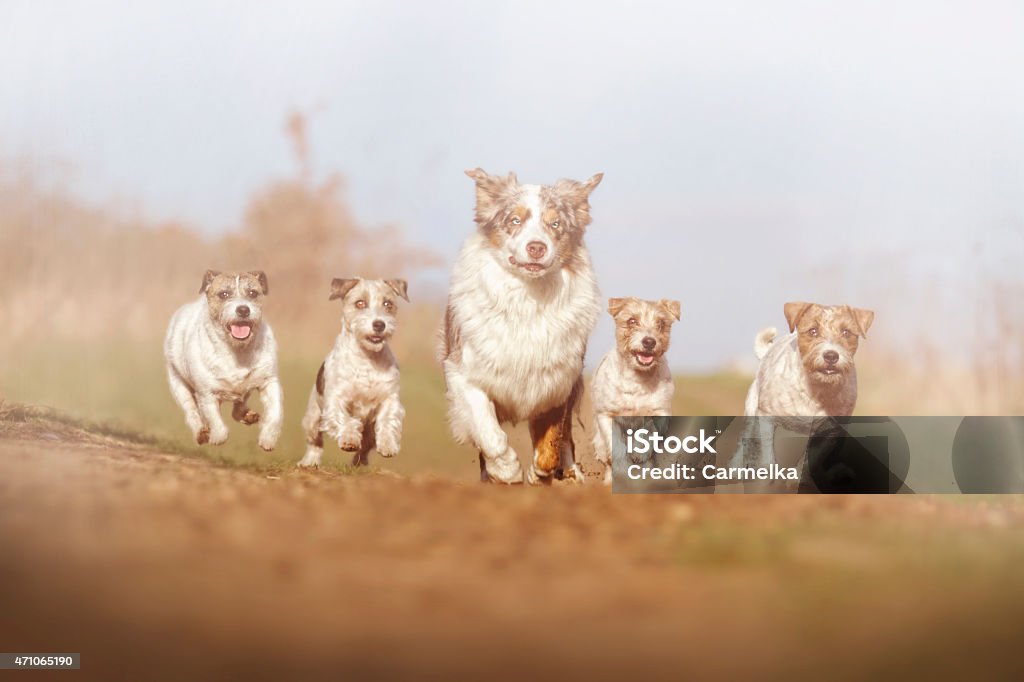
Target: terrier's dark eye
[
  {"x": 846, "y": 333},
  {"x": 224, "y": 295},
  {"x": 631, "y": 322},
  {"x": 252, "y": 293},
  {"x": 360, "y": 304},
  {"x": 813, "y": 331},
  {"x": 389, "y": 305}
]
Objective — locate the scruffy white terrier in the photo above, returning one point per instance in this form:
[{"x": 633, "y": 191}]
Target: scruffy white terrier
[
  {"x": 633, "y": 379},
  {"x": 355, "y": 397},
  {"x": 220, "y": 348},
  {"x": 807, "y": 374}
]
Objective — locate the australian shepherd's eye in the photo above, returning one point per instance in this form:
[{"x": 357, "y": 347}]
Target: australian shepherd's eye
[
  {"x": 360, "y": 304},
  {"x": 556, "y": 225},
  {"x": 514, "y": 220}
]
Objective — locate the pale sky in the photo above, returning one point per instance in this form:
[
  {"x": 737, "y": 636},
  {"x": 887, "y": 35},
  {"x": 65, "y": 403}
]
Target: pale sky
[{"x": 754, "y": 152}]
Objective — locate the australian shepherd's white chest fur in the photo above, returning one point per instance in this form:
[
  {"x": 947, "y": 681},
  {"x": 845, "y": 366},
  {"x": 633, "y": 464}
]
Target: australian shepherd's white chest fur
[{"x": 523, "y": 301}]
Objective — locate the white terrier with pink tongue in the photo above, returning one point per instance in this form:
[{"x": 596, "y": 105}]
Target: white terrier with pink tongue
[
  {"x": 218, "y": 348},
  {"x": 633, "y": 379}
]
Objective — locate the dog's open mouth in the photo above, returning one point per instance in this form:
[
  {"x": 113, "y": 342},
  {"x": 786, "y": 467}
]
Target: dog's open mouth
[
  {"x": 828, "y": 371},
  {"x": 240, "y": 330},
  {"x": 529, "y": 267},
  {"x": 645, "y": 359},
  {"x": 375, "y": 339}
]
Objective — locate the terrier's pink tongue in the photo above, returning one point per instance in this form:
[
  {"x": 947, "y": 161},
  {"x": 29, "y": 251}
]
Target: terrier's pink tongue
[{"x": 240, "y": 331}]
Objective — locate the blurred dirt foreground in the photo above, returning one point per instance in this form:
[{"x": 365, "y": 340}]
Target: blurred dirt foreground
[{"x": 158, "y": 566}]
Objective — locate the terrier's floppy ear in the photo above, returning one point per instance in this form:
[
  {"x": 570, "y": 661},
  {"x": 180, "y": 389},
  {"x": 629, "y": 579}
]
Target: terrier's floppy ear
[
  {"x": 864, "y": 318},
  {"x": 794, "y": 311},
  {"x": 207, "y": 278},
  {"x": 400, "y": 286},
  {"x": 262, "y": 277},
  {"x": 615, "y": 305},
  {"x": 671, "y": 306},
  {"x": 340, "y": 287}
]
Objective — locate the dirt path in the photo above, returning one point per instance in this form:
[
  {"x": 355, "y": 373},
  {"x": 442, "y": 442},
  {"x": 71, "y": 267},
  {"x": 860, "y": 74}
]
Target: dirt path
[{"x": 152, "y": 565}]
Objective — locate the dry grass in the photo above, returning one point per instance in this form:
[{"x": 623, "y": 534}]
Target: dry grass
[{"x": 86, "y": 291}]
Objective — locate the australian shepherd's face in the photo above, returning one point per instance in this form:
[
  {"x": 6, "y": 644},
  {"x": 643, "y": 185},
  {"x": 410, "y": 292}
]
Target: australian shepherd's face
[{"x": 535, "y": 230}]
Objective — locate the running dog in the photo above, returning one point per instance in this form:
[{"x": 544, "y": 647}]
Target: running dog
[
  {"x": 523, "y": 301},
  {"x": 805, "y": 378},
  {"x": 219, "y": 347},
  {"x": 355, "y": 397},
  {"x": 633, "y": 379}
]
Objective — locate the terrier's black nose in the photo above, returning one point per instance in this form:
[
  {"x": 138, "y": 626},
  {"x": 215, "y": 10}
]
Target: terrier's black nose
[
  {"x": 831, "y": 357},
  {"x": 242, "y": 310},
  {"x": 378, "y": 326},
  {"x": 649, "y": 343}
]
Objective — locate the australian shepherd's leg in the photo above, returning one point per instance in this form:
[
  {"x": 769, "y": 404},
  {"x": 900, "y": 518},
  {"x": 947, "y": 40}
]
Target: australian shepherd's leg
[
  {"x": 554, "y": 453},
  {"x": 473, "y": 417},
  {"x": 546, "y": 433},
  {"x": 570, "y": 468}
]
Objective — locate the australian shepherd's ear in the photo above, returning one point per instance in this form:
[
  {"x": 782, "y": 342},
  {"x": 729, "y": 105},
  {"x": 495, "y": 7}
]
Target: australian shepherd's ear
[
  {"x": 577, "y": 195},
  {"x": 492, "y": 193}
]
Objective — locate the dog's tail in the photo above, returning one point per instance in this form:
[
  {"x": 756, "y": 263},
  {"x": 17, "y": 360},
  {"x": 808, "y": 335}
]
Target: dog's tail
[{"x": 763, "y": 341}]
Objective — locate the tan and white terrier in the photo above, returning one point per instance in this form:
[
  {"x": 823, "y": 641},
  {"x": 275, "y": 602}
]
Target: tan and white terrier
[
  {"x": 809, "y": 373},
  {"x": 633, "y": 379},
  {"x": 355, "y": 397},
  {"x": 219, "y": 348}
]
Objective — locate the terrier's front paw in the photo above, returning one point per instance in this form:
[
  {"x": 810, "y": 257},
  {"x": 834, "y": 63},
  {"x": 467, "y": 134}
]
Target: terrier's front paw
[
  {"x": 350, "y": 443},
  {"x": 268, "y": 441},
  {"x": 350, "y": 438},
  {"x": 218, "y": 435},
  {"x": 311, "y": 460},
  {"x": 388, "y": 446}
]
